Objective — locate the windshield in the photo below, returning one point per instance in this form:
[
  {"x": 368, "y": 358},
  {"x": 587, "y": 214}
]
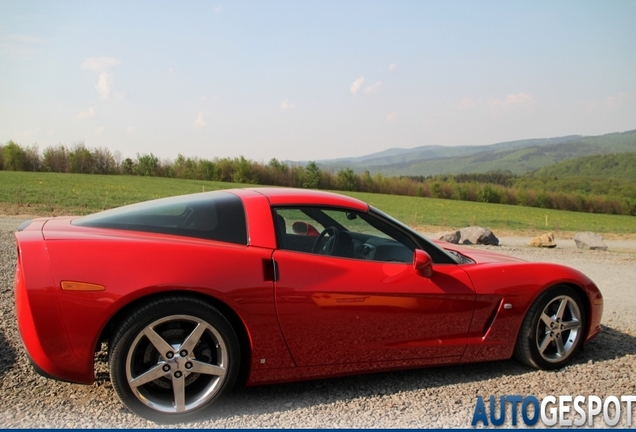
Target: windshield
[{"x": 438, "y": 254}]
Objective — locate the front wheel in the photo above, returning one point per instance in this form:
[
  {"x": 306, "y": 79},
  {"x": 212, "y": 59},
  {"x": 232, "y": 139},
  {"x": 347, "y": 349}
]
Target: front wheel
[
  {"x": 553, "y": 330},
  {"x": 172, "y": 358}
]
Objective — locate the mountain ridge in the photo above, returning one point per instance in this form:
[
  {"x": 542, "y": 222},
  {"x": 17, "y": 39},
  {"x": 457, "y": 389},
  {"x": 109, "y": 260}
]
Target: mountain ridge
[{"x": 519, "y": 156}]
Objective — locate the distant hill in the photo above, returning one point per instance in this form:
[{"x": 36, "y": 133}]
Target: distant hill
[
  {"x": 618, "y": 166},
  {"x": 518, "y": 157}
]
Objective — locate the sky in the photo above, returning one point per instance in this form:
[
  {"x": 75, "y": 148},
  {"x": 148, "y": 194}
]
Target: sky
[{"x": 312, "y": 80}]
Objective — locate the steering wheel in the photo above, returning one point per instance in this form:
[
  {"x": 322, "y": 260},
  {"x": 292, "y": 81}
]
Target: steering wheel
[{"x": 326, "y": 247}]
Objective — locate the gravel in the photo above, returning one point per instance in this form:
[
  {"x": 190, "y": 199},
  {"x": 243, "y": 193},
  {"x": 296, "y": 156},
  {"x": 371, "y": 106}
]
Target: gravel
[{"x": 434, "y": 397}]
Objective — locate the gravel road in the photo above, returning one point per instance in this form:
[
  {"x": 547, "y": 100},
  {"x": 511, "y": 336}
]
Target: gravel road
[{"x": 436, "y": 397}]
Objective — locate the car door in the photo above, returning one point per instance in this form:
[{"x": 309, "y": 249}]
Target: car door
[{"x": 351, "y": 307}]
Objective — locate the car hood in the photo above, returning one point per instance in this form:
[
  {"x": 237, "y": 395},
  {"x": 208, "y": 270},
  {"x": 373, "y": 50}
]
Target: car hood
[{"x": 479, "y": 255}]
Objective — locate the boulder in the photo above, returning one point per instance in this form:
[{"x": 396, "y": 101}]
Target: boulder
[
  {"x": 589, "y": 240},
  {"x": 545, "y": 241},
  {"x": 478, "y": 235},
  {"x": 449, "y": 236}
]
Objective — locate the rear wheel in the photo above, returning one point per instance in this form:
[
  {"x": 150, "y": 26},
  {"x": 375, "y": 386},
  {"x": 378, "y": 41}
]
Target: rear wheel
[
  {"x": 172, "y": 358},
  {"x": 553, "y": 329}
]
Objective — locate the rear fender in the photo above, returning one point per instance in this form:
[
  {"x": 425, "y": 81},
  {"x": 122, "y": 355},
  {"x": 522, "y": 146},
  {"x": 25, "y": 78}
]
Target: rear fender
[{"x": 42, "y": 332}]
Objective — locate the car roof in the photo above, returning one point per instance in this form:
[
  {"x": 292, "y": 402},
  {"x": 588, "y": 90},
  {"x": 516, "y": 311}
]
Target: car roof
[{"x": 291, "y": 196}]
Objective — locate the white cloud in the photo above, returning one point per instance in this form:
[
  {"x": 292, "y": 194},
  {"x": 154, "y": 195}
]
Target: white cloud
[
  {"x": 516, "y": 99},
  {"x": 218, "y": 9},
  {"x": 286, "y": 104},
  {"x": 392, "y": 67},
  {"x": 106, "y": 79},
  {"x": 99, "y": 130},
  {"x": 357, "y": 85},
  {"x": 87, "y": 114},
  {"x": 105, "y": 84},
  {"x": 200, "y": 121},
  {"x": 467, "y": 103},
  {"x": 392, "y": 117},
  {"x": 100, "y": 64},
  {"x": 130, "y": 129},
  {"x": 513, "y": 99},
  {"x": 373, "y": 88}
]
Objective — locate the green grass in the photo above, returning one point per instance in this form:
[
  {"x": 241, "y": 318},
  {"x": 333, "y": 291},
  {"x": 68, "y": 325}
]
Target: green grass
[
  {"x": 54, "y": 193},
  {"x": 51, "y": 193},
  {"x": 457, "y": 214}
]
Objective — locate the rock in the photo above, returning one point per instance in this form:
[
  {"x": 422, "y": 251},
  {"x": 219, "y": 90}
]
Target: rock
[
  {"x": 449, "y": 236},
  {"x": 478, "y": 235},
  {"x": 589, "y": 240},
  {"x": 545, "y": 241}
]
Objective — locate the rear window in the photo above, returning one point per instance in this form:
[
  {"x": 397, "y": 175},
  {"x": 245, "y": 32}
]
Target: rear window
[{"x": 210, "y": 215}]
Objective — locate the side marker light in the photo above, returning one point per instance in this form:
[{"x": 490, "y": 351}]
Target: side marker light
[{"x": 81, "y": 286}]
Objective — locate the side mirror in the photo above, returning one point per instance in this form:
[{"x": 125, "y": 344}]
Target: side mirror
[
  {"x": 300, "y": 228},
  {"x": 422, "y": 263},
  {"x": 305, "y": 229}
]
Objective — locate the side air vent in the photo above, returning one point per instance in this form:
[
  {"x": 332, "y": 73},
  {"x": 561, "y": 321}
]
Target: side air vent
[{"x": 491, "y": 318}]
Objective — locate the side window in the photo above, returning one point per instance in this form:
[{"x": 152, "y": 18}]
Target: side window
[
  {"x": 341, "y": 233},
  {"x": 213, "y": 216}
]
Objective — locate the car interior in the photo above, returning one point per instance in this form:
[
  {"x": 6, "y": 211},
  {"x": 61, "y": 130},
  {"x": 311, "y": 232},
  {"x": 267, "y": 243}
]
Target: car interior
[{"x": 339, "y": 233}]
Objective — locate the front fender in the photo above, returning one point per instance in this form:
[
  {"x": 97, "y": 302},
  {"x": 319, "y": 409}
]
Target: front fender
[{"x": 505, "y": 292}]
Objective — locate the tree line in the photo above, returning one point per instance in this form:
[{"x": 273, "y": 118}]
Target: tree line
[{"x": 493, "y": 187}]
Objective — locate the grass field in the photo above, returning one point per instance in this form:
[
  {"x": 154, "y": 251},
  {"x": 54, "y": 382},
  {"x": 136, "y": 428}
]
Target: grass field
[{"x": 57, "y": 194}]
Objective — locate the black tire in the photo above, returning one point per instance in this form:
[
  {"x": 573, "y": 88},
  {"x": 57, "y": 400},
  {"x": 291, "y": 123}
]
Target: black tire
[
  {"x": 553, "y": 329},
  {"x": 173, "y": 357}
]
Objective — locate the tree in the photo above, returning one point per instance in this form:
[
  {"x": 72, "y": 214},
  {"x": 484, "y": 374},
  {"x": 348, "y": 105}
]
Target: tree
[
  {"x": 242, "y": 171},
  {"x": 32, "y": 160},
  {"x": 367, "y": 182},
  {"x": 128, "y": 166},
  {"x": 277, "y": 166},
  {"x": 147, "y": 165},
  {"x": 313, "y": 176},
  {"x": 182, "y": 167},
  {"x": 55, "y": 159},
  {"x": 206, "y": 170},
  {"x": 347, "y": 179},
  {"x": 13, "y": 157},
  {"x": 103, "y": 161},
  {"x": 80, "y": 160},
  {"x": 489, "y": 194}
]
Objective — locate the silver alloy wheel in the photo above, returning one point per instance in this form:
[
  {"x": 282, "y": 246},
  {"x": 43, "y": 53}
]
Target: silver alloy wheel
[
  {"x": 176, "y": 364},
  {"x": 558, "y": 329}
]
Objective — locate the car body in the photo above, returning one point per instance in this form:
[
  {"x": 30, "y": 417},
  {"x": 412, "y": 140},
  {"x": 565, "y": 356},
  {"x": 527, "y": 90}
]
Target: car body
[{"x": 267, "y": 285}]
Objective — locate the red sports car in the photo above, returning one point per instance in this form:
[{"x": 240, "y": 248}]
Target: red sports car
[{"x": 194, "y": 293}]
